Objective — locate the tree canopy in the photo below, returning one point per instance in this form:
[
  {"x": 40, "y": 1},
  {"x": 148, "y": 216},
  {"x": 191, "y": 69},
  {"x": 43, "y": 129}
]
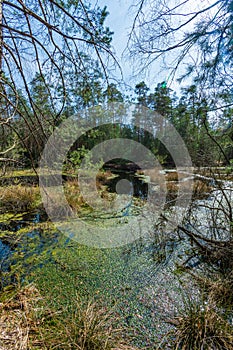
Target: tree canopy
[
  {"x": 55, "y": 58},
  {"x": 47, "y": 49},
  {"x": 199, "y": 34}
]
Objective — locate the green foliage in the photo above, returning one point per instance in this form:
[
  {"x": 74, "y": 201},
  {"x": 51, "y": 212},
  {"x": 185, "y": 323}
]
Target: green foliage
[
  {"x": 77, "y": 156},
  {"x": 229, "y": 168}
]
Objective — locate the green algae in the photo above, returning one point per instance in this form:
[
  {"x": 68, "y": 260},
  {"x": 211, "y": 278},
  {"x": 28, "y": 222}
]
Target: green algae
[
  {"x": 7, "y": 217},
  {"x": 19, "y": 173}
]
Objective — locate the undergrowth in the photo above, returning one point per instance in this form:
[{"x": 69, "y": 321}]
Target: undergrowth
[
  {"x": 200, "y": 327},
  {"x": 26, "y": 322},
  {"x": 19, "y": 198}
]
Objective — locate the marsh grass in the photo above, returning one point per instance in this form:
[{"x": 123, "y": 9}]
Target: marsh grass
[
  {"x": 19, "y": 198},
  {"x": 201, "y": 189},
  {"x": 172, "y": 176},
  {"x": 17, "y": 318},
  {"x": 200, "y": 327},
  {"x": 20, "y": 172},
  {"x": 218, "y": 288},
  {"x": 26, "y": 322},
  {"x": 90, "y": 327},
  {"x": 74, "y": 195}
]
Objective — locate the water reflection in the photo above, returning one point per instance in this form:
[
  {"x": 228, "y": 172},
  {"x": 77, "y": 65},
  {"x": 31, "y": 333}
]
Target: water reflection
[{"x": 127, "y": 183}]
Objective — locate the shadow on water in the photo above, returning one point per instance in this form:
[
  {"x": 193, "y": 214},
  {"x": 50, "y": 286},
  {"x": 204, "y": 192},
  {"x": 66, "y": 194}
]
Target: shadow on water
[
  {"x": 25, "y": 220},
  {"x": 127, "y": 183}
]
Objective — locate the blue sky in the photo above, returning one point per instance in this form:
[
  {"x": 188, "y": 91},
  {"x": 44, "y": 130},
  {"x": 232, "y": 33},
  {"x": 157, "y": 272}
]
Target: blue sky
[{"x": 120, "y": 21}]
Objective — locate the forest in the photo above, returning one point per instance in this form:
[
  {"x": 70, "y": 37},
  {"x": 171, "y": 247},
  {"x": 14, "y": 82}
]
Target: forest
[{"x": 116, "y": 196}]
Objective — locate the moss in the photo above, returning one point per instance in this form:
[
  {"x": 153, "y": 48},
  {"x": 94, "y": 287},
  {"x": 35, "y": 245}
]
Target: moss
[
  {"x": 8, "y": 217},
  {"x": 21, "y": 172}
]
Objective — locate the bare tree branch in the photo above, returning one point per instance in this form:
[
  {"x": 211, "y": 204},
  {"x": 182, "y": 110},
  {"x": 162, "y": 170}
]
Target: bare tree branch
[{"x": 44, "y": 37}]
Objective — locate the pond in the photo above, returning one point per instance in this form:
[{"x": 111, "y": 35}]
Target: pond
[
  {"x": 122, "y": 277},
  {"x": 139, "y": 279},
  {"x": 128, "y": 183}
]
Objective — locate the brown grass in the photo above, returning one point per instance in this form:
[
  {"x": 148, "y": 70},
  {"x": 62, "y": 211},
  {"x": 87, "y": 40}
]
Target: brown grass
[
  {"x": 73, "y": 195},
  {"x": 91, "y": 328},
  {"x": 218, "y": 289},
  {"x": 221, "y": 292},
  {"x": 172, "y": 176},
  {"x": 26, "y": 322},
  {"x": 18, "y": 198},
  {"x": 156, "y": 176},
  {"x": 16, "y": 321},
  {"x": 201, "y": 328},
  {"x": 200, "y": 188}
]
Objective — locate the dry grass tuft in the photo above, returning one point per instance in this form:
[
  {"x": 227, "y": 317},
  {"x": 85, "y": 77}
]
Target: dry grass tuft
[
  {"x": 73, "y": 195},
  {"x": 172, "y": 176},
  {"x": 75, "y": 198},
  {"x": 16, "y": 321},
  {"x": 18, "y": 198},
  {"x": 221, "y": 292},
  {"x": 201, "y": 328},
  {"x": 218, "y": 289},
  {"x": 27, "y": 323},
  {"x": 201, "y": 189},
  {"x": 91, "y": 328}
]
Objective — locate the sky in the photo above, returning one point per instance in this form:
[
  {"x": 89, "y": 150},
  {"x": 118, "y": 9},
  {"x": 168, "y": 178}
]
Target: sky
[{"x": 120, "y": 21}]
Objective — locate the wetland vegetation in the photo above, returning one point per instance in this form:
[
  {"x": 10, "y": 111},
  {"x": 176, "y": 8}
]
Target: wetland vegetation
[
  {"x": 142, "y": 295},
  {"x": 116, "y": 202}
]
